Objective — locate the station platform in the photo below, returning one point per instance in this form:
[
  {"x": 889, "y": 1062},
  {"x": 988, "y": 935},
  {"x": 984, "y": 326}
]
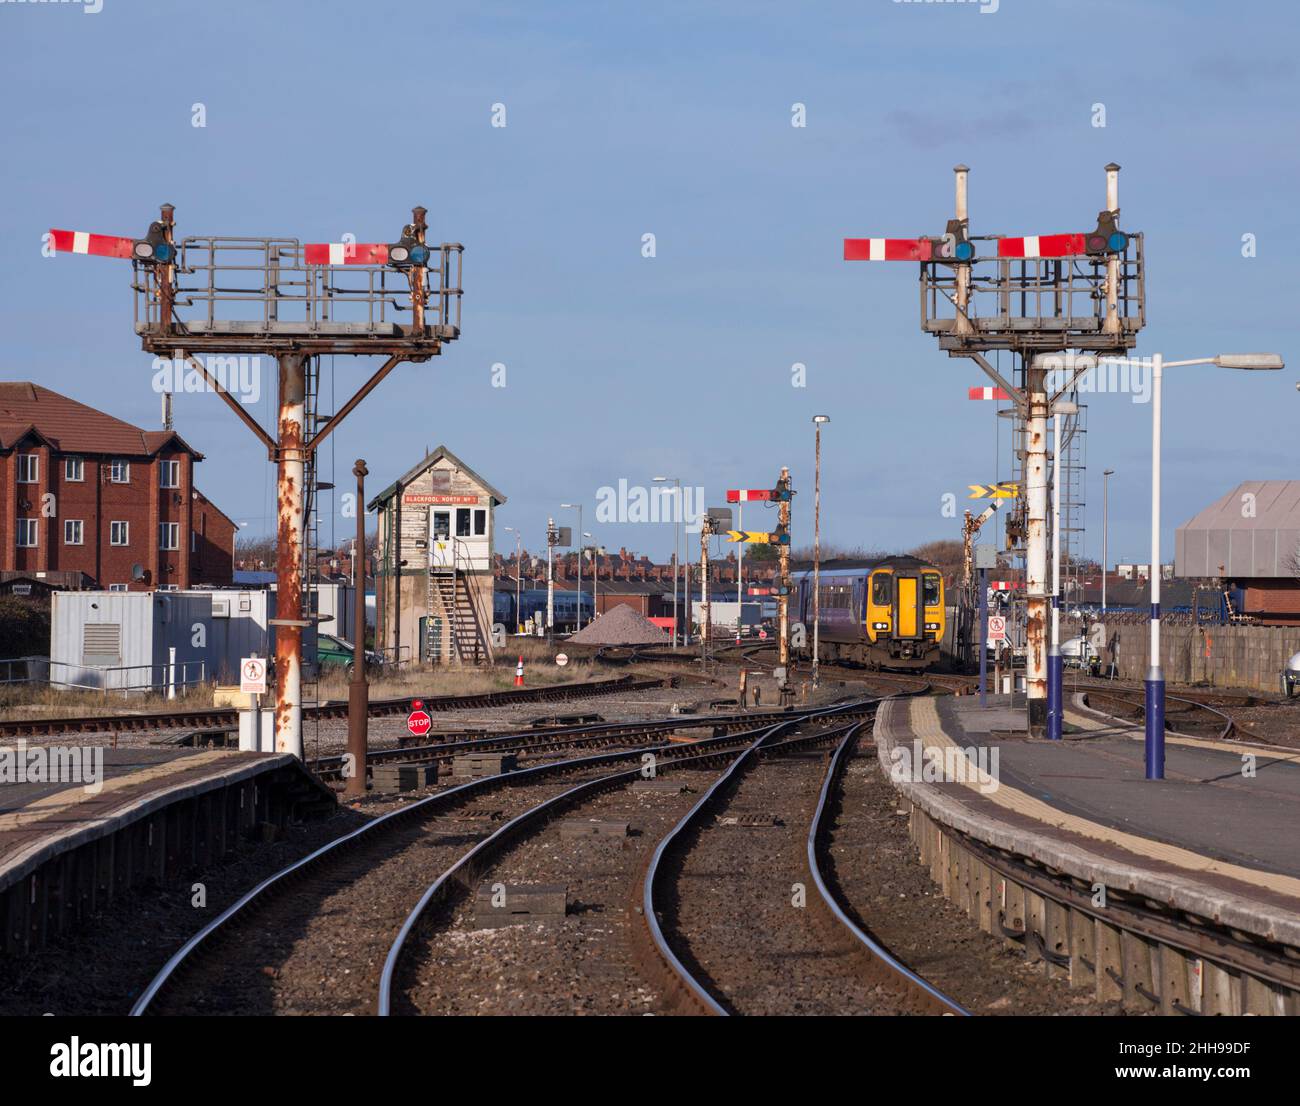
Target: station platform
[
  {"x": 143, "y": 814},
  {"x": 1203, "y": 862}
]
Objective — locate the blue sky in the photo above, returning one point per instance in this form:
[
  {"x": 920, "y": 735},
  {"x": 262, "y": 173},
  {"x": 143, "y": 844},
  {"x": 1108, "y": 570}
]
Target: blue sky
[{"x": 674, "y": 119}]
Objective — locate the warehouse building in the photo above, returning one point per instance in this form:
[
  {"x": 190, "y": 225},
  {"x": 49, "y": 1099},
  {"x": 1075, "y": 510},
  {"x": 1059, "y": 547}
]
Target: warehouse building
[
  {"x": 1249, "y": 540},
  {"x": 434, "y": 580}
]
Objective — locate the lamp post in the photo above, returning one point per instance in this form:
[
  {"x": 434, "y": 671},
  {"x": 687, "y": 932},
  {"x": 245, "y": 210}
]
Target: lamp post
[
  {"x": 677, "y": 557},
  {"x": 1105, "y": 534},
  {"x": 595, "y": 573},
  {"x": 519, "y": 568},
  {"x": 1154, "y": 754},
  {"x": 818, "y": 422},
  {"x": 358, "y": 689},
  {"x": 577, "y": 507}
]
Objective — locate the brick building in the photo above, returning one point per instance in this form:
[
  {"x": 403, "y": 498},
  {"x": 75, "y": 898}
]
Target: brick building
[{"x": 81, "y": 491}]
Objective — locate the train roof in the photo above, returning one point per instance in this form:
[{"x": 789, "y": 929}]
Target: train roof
[{"x": 864, "y": 568}]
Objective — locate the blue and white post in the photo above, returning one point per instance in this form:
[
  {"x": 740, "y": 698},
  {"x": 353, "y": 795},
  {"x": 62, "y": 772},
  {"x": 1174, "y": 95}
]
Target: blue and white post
[
  {"x": 1155, "y": 681},
  {"x": 984, "y": 637},
  {"x": 1055, "y": 663}
]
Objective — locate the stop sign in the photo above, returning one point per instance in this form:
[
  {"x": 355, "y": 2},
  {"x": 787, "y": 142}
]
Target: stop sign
[
  {"x": 418, "y": 721},
  {"x": 762, "y": 634}
]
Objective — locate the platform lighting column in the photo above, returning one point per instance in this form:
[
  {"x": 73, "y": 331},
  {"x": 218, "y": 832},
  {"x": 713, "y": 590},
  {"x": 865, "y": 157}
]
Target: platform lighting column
[
  {"x": 1105, "y": 534},
  {"x": 818, "y": 422},
  {"x": 1055, "y": 663},
  {"x": 578, "y": 507},
  {"x": 519, "y": 568},
  {"x": 677, "y": 557},
  {"x": 358, "y": 687},
  {"x": 1155, "y": 679}
]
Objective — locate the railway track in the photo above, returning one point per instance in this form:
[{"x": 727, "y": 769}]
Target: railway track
[
  {"x": 1193, "y": 717},
  {"x": 218, "y": 717},
  {"x": 312, "y": 937},
  {"x": 743, "y": 912}
]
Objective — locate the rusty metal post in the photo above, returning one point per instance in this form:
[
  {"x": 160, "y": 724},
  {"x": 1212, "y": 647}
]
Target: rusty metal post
[
  {"x": 290, "y": 500},
  {"x": 417, "y": 273},
  {"x": 359, "y": 687},
  {"x": 1036, "y": 547},
  {"x": 961, "y": 273},
  {"x": 783, "y": 601},
  {"x": 167, "y": 274},
  {"x": 1111, "y": 325}
]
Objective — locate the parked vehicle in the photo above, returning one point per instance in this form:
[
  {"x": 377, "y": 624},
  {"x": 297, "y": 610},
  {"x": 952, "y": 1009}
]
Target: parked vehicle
[{"x": 337, "y": 652}]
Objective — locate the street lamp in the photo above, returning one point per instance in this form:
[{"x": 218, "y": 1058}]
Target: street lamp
[
  {"x": 595, "y": 574},
  {"x": 1105, "y": 533},
  {"x": 1155, "y": 681},
  {"x": 677, "y": 557},
  {"x": 519, "y": 568},
  {"x": 577, "y": 507},
  {"x": 818, "y": 422}
]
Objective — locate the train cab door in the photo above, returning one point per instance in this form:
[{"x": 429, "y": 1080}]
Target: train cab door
[{"x": 909, "y": 615}]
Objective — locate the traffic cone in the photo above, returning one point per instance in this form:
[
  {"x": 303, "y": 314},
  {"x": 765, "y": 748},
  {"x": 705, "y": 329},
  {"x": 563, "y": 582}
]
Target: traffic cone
[{"x": 519, "y": 673}]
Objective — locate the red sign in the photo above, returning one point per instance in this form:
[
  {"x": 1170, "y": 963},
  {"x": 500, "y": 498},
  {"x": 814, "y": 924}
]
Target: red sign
[
  {"x": 745, "y": 495},
  {"x": 423, "y": 498},
  {"x": 418, "y": 721}
]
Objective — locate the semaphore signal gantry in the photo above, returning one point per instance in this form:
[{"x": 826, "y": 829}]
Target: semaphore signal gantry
[
  {"x": 275, "y": 296},
  {"x": 1032, "y": 296}
]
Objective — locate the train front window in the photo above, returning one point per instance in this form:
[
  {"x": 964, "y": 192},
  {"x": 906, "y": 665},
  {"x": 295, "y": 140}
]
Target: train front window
[
  {"x": 880, "y": 589},
  {"x": 931, "y": 588}
]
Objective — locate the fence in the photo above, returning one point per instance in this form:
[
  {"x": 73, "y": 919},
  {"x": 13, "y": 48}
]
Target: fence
[{"x": 170, "y": 677}]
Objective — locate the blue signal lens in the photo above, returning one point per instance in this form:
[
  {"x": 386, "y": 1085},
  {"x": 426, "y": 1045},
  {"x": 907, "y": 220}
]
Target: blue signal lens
[
  {"x": 163, "y": 251},
  {"x": 964, "y": 251},
  {"x": 419, "y": 255},
  {"x": 1117, "y": 242}
]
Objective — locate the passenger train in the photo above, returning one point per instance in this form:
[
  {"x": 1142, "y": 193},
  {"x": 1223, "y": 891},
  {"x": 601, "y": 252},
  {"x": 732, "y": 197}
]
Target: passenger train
[{"x": 886, "y": 614}]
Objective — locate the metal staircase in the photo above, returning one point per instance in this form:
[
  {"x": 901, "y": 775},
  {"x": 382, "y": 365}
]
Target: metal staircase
[{"x": 451, "y": 611}]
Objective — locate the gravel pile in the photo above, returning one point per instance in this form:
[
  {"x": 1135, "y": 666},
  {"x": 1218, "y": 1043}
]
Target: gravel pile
[{"x": 620, "y": 625}]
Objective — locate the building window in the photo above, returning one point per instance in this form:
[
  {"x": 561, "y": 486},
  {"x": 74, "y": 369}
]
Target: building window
[
  {"x": 169, "y": 535},
  {"x": 169, "y": 474},
  {"x": 462, "y": 522},
  {"x": 27, "y": 532},
  {"x": 120, "y": 472},
  {"x": 74, "y": 469},
  {"x": 480, "y": 523},
  {"x": 117, "y": 587},
  {"x": 119, "y": 533},
  {"x": 72, "y": 531},
  {"x": 29, "y": 468}
]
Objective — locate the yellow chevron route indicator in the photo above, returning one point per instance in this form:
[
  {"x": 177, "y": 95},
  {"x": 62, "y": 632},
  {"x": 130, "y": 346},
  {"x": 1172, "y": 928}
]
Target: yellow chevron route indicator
[
  {"x": 755, "y": 536},
  {"x": 1005, "y": 490}
]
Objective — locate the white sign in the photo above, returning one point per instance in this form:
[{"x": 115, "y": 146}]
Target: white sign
[
  {"x": 252, "y": 676},
  {"x": 561, "y": 659},
  {"x": 997, "y": 627}
]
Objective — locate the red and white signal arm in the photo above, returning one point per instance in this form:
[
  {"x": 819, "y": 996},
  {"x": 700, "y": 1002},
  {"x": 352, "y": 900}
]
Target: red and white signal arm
[
  {"x": 252, "y": 676},
  {"x": 986, "y": 393},
  {"x": 418, "y": 721},
  {"x": 747, "y": 495},
  {"x": 345, "y": 253},
  {"x": 997, "y": 627}
]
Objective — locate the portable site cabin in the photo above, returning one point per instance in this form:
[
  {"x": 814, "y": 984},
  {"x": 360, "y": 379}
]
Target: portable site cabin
[
  {"x": 434, "y": 585},
  {"x": 142, "y": 641}
]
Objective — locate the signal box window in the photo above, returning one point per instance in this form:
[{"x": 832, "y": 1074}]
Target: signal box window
[
  {"x": 462, "y": 522},
  {"x": 880, "y": 589},
  {"x": 480, "y": 523},
  {"x": 441, "y": 526}
]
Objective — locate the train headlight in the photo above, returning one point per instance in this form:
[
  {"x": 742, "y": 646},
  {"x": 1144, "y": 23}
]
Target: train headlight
[
  {"x": 880, "y": 625},
  {"x": 932, "y": 625}
]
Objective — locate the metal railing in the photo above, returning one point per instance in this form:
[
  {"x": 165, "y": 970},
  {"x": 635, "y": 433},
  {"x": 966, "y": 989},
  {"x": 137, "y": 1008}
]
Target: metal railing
[
  {"x": 1035, "y": 303},
  {"x": 263, "y": 285},
  {"x": 169, "y": 677}
]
